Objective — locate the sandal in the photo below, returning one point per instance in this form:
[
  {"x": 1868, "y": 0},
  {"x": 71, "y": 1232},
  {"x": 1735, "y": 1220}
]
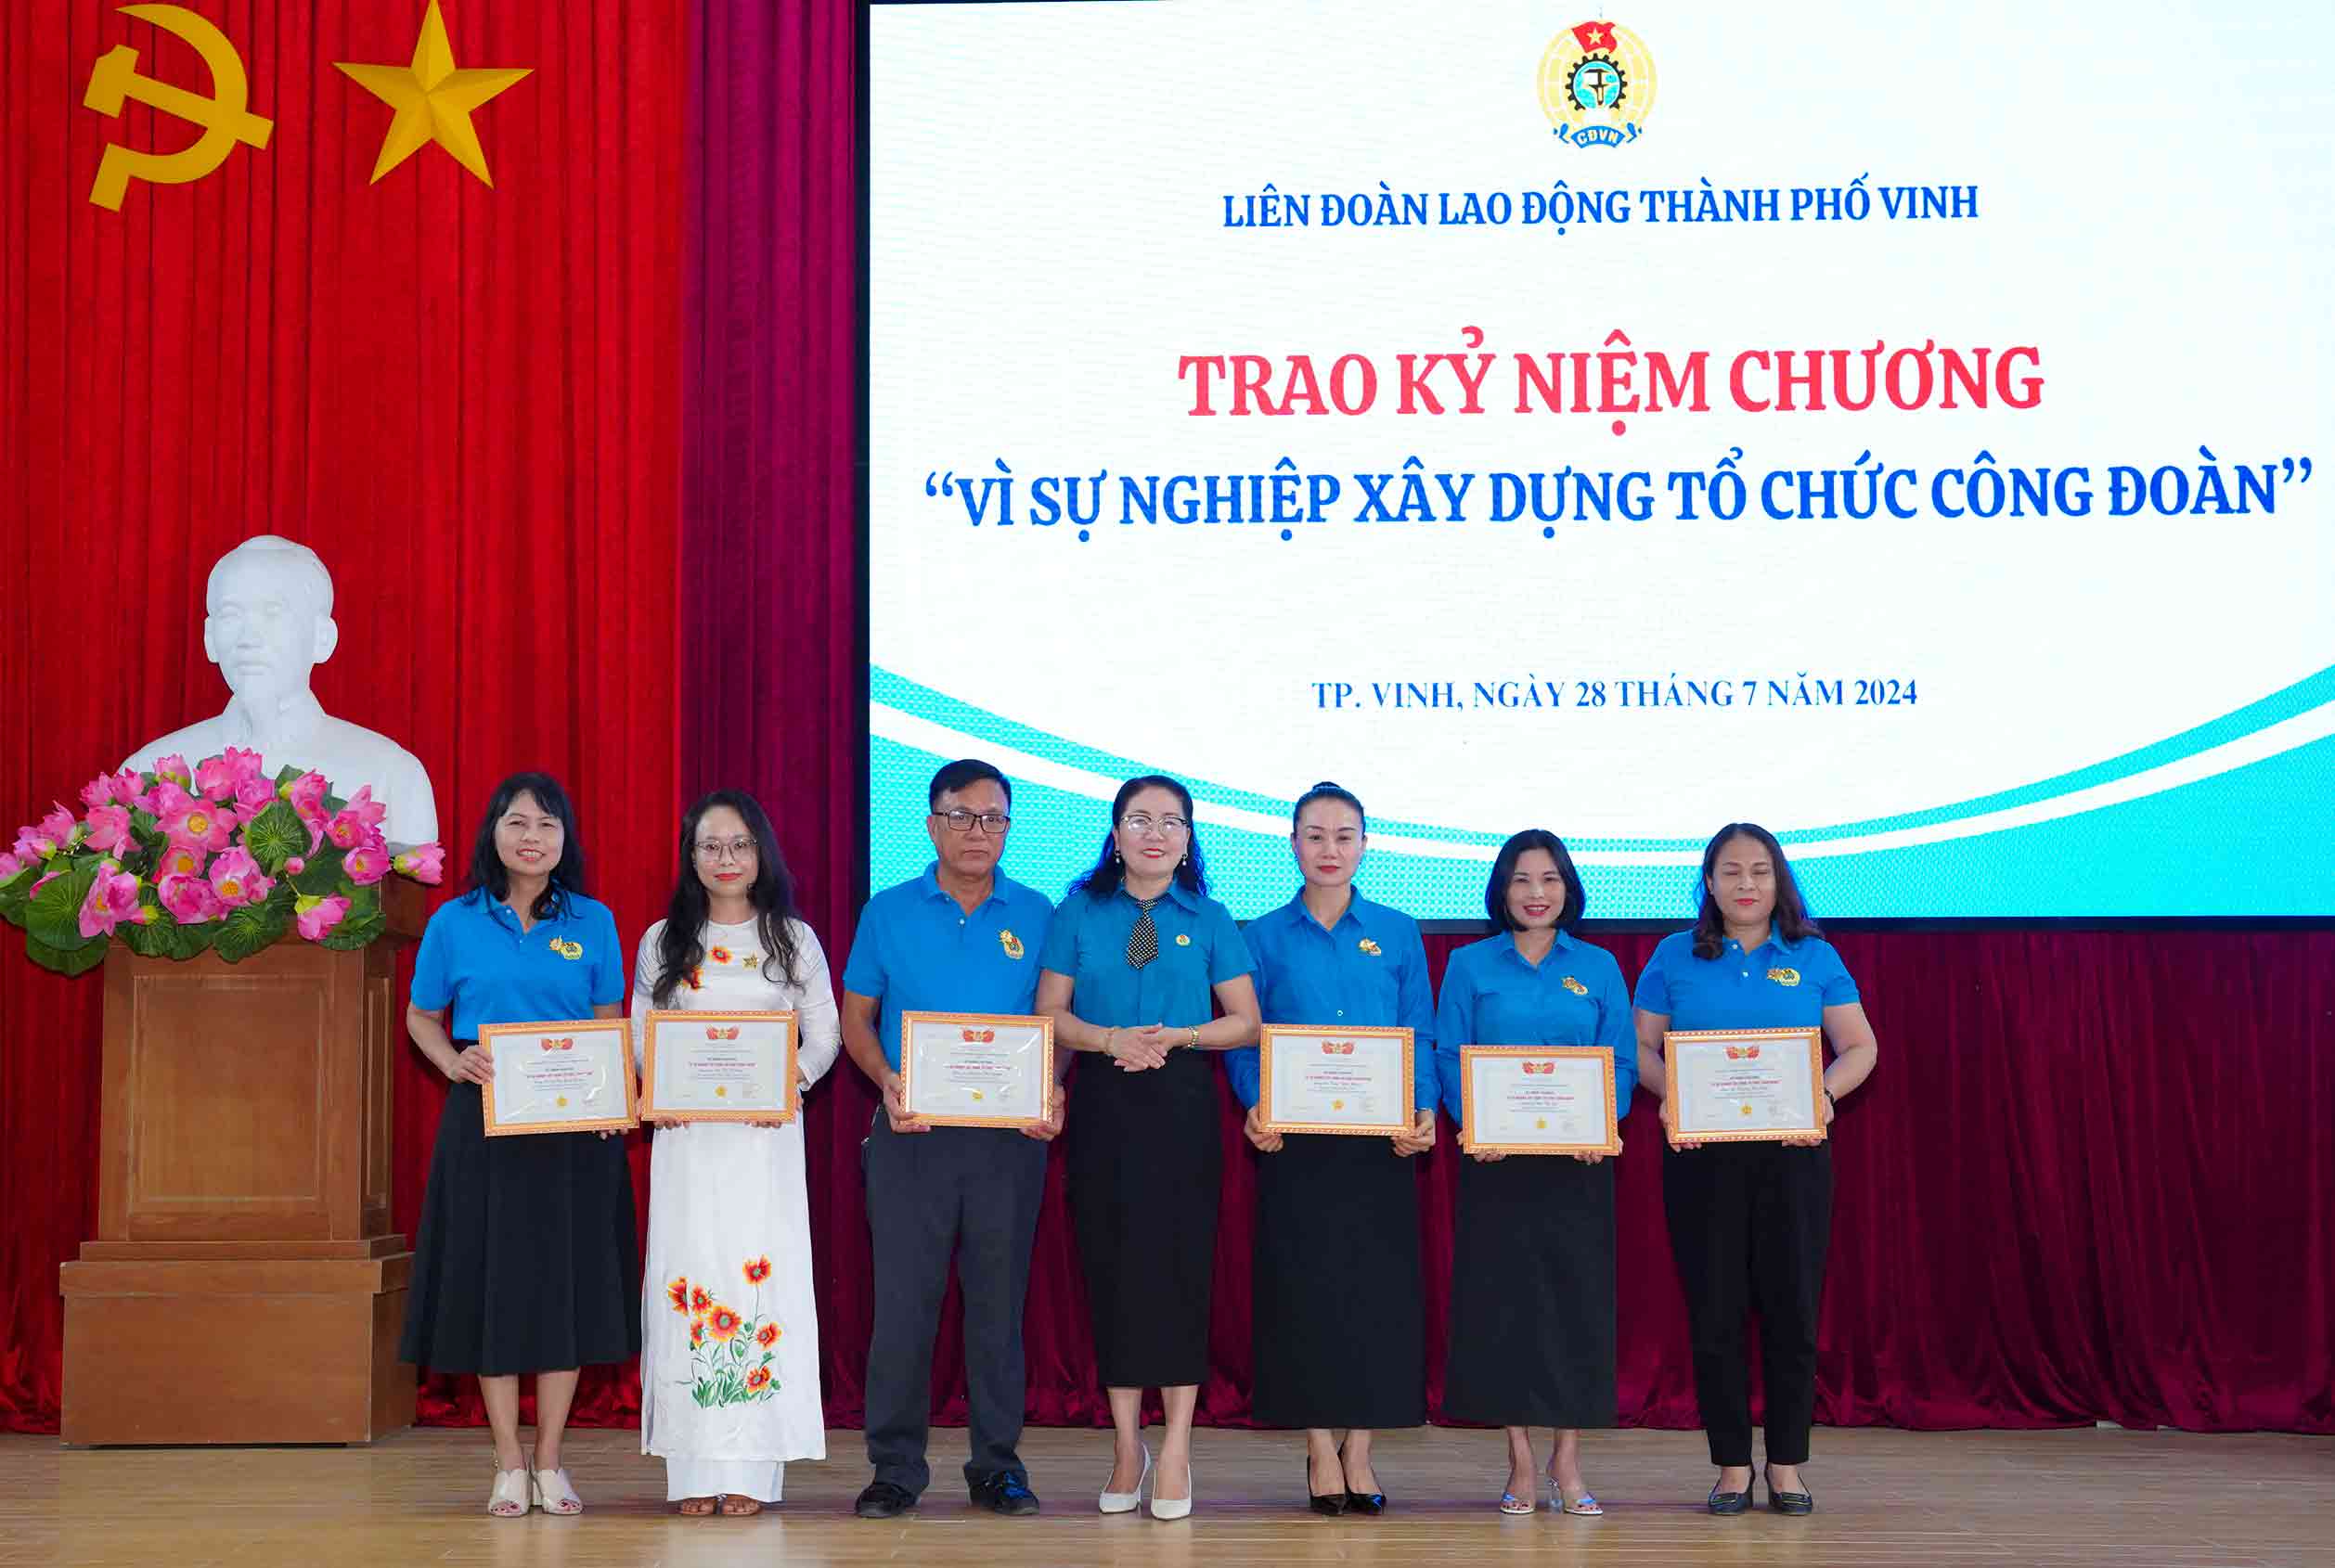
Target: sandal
[
  {"x": 509, "y": 1499},
  {"x": 696, "y": 1508},
  {"x": 552, "y": 1492},
  {"x": 734, "y": 1506},
  {"x": 1511, "y": 1503},
  {"x": 1586, "y": 1506}
]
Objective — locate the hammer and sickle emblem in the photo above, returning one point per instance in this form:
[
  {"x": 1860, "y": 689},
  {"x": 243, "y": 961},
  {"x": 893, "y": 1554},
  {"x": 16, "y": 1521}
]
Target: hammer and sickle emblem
[{"x": 115, "y": 78}]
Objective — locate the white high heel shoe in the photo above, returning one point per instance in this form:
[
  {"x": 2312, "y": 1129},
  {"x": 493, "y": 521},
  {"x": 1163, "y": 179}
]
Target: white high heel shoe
[
  {"x": 1127, "y": 1502},
  {"x": 1176, "y": 1508},
  {"x": 552, "y": 1494}
]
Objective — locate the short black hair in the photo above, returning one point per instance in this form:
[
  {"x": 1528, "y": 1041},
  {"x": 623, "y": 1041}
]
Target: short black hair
[
  {"x": 962, "y": 772},
  {"x": 1325, "y": 790},
  {"x": 1505, "y": 866}
]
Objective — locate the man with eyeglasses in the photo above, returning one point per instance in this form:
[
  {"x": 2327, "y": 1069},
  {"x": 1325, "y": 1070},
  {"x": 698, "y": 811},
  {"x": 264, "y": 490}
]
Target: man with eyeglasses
[{"x": 963, "y": 937}]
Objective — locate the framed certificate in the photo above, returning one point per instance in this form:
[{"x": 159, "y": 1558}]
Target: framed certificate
[
  {"x": 977, "y": 1069},
  {"x": 1743, "y": 1085},
  {"x": 719, "y": 1067},
  {"x": 1334, "y": 1080},
  {"x": 1537, "y": 1100},
  {"x": 571, "y": 1077}
]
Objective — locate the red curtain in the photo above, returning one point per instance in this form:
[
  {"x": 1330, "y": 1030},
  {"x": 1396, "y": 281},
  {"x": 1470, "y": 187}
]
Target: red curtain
[
  {"x": 467, "y": 400},
  {"x": 589, "y": 493}
]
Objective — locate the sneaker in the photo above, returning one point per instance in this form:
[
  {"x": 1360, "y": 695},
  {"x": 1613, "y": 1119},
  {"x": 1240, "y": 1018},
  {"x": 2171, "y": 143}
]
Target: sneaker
[
  {"x": 883, "y": 1499},
  {"x": 1006, "y": 1492}
]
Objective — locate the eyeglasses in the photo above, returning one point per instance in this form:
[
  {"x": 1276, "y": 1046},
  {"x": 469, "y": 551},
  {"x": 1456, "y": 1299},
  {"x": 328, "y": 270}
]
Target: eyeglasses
[
  {"x": 964, "y": 821},
  {"x": 1143, "y": 822},
  {"x": 722, "y": 849}
]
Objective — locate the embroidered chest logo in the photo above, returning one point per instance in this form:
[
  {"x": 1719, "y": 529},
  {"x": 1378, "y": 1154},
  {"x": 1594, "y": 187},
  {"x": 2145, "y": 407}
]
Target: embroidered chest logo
[
  {"x": 568, "y": 950},
  {"x": 1575, "y": 986},
  {"x": 1784, "y": 976},
  {"x": 1367, "y": 946},
  {"x": 1012, "y": 943},
  {"x": 1183, "y": 940}
]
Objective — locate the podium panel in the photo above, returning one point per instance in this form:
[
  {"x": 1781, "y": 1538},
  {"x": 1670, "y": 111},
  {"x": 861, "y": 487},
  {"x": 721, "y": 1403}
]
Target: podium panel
[{"x": 243, "y": 1260}]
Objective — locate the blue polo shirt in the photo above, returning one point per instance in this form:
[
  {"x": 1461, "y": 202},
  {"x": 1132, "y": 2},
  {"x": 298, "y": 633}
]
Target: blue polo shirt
[
  {"x": 1369, "y": 970},
  {"x": 918, "y": 951},
  {"x": 1199, "y": 948},
  {"x": 1574, "y": 996},
  {"x": 476, "y": 960},
  {"x": 1778, "y": 984}
]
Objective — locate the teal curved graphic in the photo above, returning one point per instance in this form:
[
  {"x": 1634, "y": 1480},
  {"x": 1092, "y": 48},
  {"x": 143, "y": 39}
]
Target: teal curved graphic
[{"x": 887, "y": 689}]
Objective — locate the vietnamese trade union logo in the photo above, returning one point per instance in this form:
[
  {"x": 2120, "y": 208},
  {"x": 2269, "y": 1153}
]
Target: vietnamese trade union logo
[{"x": 1596, "y": 82}]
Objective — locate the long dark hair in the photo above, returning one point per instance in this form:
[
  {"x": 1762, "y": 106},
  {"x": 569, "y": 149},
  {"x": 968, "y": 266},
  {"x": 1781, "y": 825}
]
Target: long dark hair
[
  {"x": 1790, "y": 919},
  {"x": 491, "y": 877},
  {"x": 1109, "y": 875},
  {"x": 681, "y": 946},
  {"x": 1504, "y": 867}
]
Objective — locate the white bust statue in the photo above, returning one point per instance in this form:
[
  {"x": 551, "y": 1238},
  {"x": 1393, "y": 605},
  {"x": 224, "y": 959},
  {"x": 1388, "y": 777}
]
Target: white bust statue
[{"x": 267, "y": 622}]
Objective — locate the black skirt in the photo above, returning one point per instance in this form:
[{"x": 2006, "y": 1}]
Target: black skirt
[
  {"x": 528, "y": 1259},
  {"x": 1144, "y": 1166},
  {"x": 1339, "y": 1325},
  {"x": 1532, "y": 1293}
]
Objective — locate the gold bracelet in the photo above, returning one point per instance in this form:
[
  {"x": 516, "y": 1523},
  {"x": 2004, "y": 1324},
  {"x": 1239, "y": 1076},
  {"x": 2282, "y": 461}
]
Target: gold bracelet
[{"x": 1108, "y": 1036}]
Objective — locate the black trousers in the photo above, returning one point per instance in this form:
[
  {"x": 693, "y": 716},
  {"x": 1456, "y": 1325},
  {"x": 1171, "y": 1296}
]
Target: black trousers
[
  {"x": 1749, "y": 1225},
  {"x": 971, "y": 1192}
]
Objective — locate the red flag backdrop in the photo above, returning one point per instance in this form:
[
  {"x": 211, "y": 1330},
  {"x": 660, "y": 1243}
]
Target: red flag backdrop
[{"x": 579, "y": 450}]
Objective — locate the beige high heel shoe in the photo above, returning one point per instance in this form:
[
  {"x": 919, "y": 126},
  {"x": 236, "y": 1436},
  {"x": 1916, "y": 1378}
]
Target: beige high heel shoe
[{"x": 509, "y": 1499}]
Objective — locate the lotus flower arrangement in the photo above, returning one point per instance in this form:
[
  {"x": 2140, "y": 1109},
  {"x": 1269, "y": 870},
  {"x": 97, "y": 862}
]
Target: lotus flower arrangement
[{"x": 218, "y": 857}]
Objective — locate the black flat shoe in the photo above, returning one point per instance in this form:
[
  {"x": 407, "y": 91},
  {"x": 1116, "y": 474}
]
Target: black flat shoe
[
  {"x": 1365, "y": 1503},
  {"x": 881, "y": 1499},
  {"x": 1794, "y": 1503},
  {"x": 1329, "y": 1504},
  {"x": 1006, "y": 1492},
  {"x": 1728, "y": 1502}
]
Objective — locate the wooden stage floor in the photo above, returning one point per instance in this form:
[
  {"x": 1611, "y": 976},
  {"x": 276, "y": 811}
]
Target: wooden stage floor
[{"x": 2101, "y": 1497}]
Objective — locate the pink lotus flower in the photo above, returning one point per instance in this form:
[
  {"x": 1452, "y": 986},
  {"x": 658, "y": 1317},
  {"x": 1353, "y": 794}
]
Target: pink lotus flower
[
  {"x": 189, "y": 899},
  {"x": 113, "y": 898},
  {"x": 244, "y": 766},
  {"x": 423, "y": 862},
  {"x": 237, "y": 878},
  {"x": 367, "y": 863},
  {"x": 173, "y": 767},
  {"x": 29, "y": 845},
  {"x": 295, "y": 864},
  {"x": 109, "y": 829},
  {"x": 147, "y": 913},
  {"x": 358, "y": 822},
  {"x": 59, "y": 828},
  {"x": 216, "y": 779},
  {"x": 306, "y": 794},
  {"x": 316, "y": 917},
  {"x": 254, "y": 795},
  {"x": 107, "y": 788},
  {"x": 11, "y": 867},
  {"x": 201, "y": 824},
  {"x": 168, "y": 798},
  {"x": 179, "y": 860}
]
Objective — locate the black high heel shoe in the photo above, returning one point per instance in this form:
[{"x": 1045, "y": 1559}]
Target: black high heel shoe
[
  {"x": 1796, "y": 1504},
  {"x": 1362, "y": 1502},
  {"x": 1329, "y": 1504}
]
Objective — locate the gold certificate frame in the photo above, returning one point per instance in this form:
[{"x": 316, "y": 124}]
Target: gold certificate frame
[
  {"x": 1540, "y": 1073},
  {"x": 1310, "y": 1099},
  {"x": 564, "y": 1075},
  {"x": 720, "y": 1054},
  {"x": 1744, "y": 1085},
  {"x": 977, "y": 1069}
]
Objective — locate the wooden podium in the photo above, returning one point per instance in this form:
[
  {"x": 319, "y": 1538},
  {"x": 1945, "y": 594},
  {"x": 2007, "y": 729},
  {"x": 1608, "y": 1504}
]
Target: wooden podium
[{"x": 244, "y": 1285}]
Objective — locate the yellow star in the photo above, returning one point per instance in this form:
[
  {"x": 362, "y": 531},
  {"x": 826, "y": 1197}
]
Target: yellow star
[{"x": 432, "y": 99}]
